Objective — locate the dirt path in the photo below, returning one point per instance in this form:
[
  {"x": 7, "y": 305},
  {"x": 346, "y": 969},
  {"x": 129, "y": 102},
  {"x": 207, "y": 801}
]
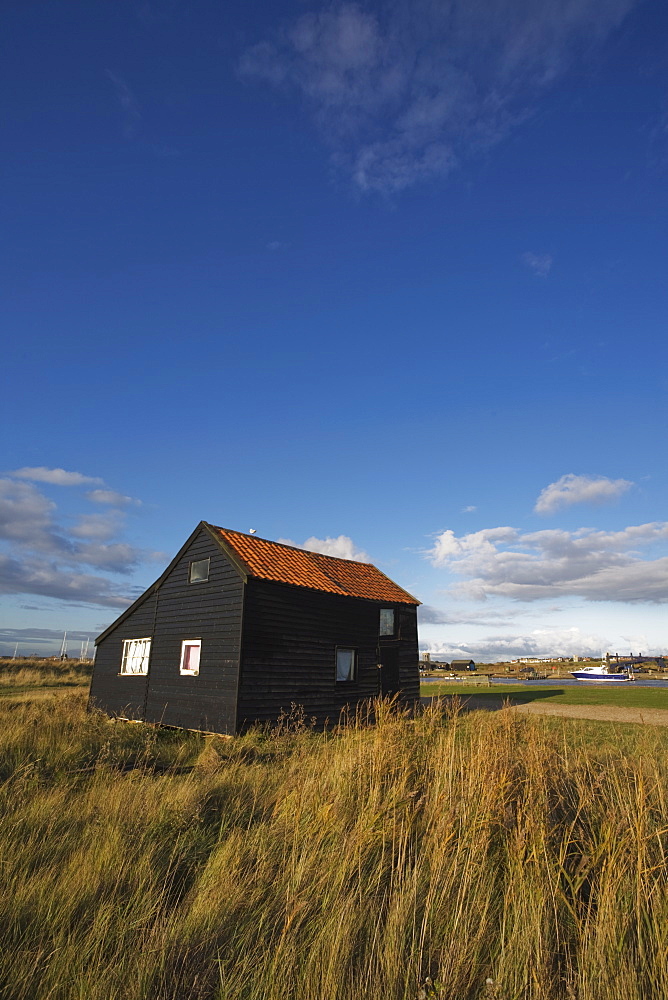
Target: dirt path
[{"x": 599, "y": 713}]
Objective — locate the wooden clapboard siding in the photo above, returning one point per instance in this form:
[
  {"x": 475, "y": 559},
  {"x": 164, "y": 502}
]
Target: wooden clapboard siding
[
  {"x": 174, "y": 610},
  {"x": 289, "y": 642},
  {"x": 409, "y": 669},
  {"x": 114, "y": 693},
  {"x": 210, "y": 611}
]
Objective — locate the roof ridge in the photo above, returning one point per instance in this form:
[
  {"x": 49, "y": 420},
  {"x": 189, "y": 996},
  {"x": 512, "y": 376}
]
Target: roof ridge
[{"x": 283, "y": 545}]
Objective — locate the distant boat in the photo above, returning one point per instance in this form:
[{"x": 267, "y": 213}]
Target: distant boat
[{"x": 601, "y": 673}]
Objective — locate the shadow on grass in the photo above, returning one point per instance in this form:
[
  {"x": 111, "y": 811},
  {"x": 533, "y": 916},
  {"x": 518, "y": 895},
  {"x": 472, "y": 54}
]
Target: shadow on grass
[{"x": 493, "y": 701}]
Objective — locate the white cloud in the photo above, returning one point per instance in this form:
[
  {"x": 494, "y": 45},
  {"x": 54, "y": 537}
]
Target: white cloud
[
  {"x": 342, "y": 547},
  {"x": 428, "y": 615},
  {"x": 406, "y": 93},
  {"x": 539, "y": 263},
  {"x": 469, "y": 509},
  {"x": 538, "y": 642},
  {"x": 60, "y": 477},
  {"x": 26, "y": 517},
  {"x": 30, "y": 575},
  {"x": 572, "y": 489},
  {"x": 56, "y": 477},
  {"x": 448, "y": 547},
  {"x": 98, "y": 527},
  {"x": 43, "y": 557},
  {"x": 529, "y": 566},
  {"x": 111, "y": 497},
  {"x": 118, "y": 557}
]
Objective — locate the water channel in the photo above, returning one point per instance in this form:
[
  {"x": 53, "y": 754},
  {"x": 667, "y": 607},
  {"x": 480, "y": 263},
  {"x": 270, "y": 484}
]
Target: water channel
[{"x": 640, "y": 680}]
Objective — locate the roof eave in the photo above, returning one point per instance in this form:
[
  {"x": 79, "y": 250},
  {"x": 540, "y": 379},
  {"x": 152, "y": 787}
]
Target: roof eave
[{"x": 410, "y": 600}]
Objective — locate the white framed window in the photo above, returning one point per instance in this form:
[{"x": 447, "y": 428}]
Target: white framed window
[
  {"x": 198, "y": 571},
  {"x": 346, "y": 663},
  {"x": 135, "y": 656},
  {"x": 190, "y": 650},
  {"x": 386, "y": 621}
]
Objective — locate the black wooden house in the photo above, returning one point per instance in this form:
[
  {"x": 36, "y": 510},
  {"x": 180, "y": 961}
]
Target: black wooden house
[{"x": 239, "y": 628}]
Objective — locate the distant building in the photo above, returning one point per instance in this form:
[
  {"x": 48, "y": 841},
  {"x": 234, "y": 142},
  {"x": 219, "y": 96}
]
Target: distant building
[
  {"x": 433, "y": 665},
  {"x": 544, "y": 659},
  {"x": 462, "y": 665}
]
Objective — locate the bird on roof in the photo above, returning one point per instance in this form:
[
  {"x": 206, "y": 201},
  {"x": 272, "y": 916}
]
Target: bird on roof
[{"x": 253, "y": 531}]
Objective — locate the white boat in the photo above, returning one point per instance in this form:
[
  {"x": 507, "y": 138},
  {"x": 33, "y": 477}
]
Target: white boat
[{"x": 602, "y": 673}]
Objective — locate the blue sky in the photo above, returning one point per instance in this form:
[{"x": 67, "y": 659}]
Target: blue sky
[{"x": 389, "y": 278}]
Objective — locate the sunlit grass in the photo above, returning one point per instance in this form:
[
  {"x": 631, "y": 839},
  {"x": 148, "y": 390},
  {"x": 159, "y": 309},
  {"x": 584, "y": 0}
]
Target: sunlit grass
[
  {"x": 143, "y": 863},
  {"x": 27, "y": 673}
]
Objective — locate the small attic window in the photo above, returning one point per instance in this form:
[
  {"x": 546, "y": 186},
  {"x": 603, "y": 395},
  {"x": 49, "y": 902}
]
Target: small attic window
[{"x": 199, "y": 571}]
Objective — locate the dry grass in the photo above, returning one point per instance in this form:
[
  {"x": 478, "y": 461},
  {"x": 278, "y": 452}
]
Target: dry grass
[
  {"x": 414, "y": 858},
  {"x": 38, "y": 672}
]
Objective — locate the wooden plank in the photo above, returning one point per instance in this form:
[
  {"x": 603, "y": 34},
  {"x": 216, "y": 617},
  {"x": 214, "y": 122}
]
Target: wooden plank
[
  {"x": 288, "y": 653},
  {"x": 178, "y": 610}
]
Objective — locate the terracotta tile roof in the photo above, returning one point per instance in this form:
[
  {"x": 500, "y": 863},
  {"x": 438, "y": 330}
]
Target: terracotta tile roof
[{"x": 285, "y": 564}]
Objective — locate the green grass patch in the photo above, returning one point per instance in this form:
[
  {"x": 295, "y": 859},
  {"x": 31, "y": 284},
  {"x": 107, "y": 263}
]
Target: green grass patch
[{"x": 625, "y": 695}]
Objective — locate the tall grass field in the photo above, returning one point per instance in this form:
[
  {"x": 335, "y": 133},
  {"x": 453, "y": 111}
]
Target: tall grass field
[{"x": 443, "y": 856}]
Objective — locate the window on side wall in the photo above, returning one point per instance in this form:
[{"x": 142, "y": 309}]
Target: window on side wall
[
  {"x": 346, "y": 663},
  {"x": 386, "y": 621},
  {"x": 190, "y": 650},
  {"x": 198, "y": 571},
  {"x": 135, "y": 656}
]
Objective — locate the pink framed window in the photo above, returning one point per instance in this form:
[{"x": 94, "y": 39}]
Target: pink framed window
[{"x": 190, "y": 652}]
